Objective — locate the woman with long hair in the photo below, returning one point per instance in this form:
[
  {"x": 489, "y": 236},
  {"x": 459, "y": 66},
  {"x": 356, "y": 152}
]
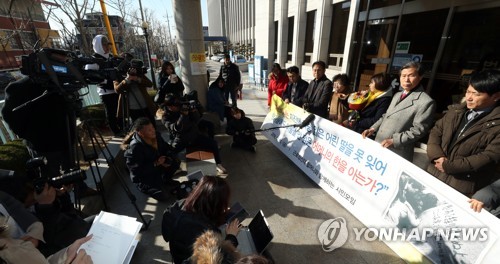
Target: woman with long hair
[
  {"x": 168, "y": 82},
  {"x": 204, "y": 209}
]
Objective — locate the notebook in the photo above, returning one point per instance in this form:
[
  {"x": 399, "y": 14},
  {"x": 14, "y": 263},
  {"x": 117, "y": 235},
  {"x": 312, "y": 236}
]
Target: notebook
[{"x": 255, "y": 238}]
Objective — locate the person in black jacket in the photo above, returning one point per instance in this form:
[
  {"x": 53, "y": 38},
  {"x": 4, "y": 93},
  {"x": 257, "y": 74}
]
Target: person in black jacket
[
  {"x": 150, "y": 160},
  {"x": 242, "y": 130},
  {"x": 319, "y": 92},
  {"x": 379, "y": 98},
  {"x": 183, "y": 123},
  {"x": 204, "y": 209},
  {"x": 169, "y": 82},
  {"x": 215, "y": 98},
  {"x": 296, "y": 88},
  {"x": 230, "y": 72}
]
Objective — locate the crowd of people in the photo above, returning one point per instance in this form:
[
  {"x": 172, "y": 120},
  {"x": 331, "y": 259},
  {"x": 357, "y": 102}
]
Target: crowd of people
[{"x": 463, "y": 148}]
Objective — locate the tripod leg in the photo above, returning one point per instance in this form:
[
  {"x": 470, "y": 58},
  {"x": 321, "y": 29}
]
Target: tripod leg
[
  {"x": 106, "y": 152},
  {"x": 89, "y": 157}
]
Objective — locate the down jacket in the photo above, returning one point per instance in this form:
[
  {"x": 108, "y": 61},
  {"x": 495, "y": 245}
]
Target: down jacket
[{"x": 473, "y": 157}]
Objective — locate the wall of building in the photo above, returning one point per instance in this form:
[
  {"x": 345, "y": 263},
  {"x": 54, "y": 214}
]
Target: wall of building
[{"x": 311, "y": 40}]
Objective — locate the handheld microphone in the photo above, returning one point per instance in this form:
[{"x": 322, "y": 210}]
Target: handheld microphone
[{"x": 307, "y": 121}]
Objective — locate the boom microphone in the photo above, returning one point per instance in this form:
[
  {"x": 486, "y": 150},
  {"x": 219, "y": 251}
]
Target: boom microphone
[{"x": 307, "y": 121}]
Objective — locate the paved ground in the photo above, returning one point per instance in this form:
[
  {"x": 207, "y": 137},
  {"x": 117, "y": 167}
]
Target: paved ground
[{"x": 294, "y": 205}]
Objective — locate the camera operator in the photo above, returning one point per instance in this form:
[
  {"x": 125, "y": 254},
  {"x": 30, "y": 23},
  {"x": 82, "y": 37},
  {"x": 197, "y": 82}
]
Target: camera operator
[
  {"x": 21, "y": 233},
  {"x": 134, "y": 88},
  {"x": 181, "y": 119},
  {"x": 46, "y": 126},
  {"x": 60, "y": 229},
  {"x": 45, "y": 123},
  {"x": 105, "y": 89}
]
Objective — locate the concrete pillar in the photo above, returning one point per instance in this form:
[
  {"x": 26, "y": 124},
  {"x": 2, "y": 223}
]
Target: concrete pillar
[
  {"x": 299, "y": 33},
  {"x": 187, "y": 14},
  {"x": 322, "y": 33},
  {"x": 264, "y": 25},
  {"x": 350, "y": 36},
  {"x": 282, "y": 13}
]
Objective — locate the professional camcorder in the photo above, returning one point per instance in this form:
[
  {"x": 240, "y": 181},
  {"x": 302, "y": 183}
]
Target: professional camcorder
[
  {"x": 67, "y": 69},
  {"x": 188, "y": 105},
  {"x": 34, "y": 166},
  {"x": 137, "y": 68}
]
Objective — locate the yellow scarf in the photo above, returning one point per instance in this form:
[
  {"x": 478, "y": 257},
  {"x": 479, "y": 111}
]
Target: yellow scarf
[{"x": 372, "y": 97}]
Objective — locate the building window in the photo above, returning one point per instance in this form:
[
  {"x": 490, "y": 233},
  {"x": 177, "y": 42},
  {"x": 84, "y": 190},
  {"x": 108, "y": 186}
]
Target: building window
[
  {"x": 378, "y": 4},
  {"x": 338, "y": 32},
  {"x": 13, "y": 39},
  {"x": 289, "y": 48},
  {"x": 309, "y": 45},
  {"x": 28, "y": 40}
]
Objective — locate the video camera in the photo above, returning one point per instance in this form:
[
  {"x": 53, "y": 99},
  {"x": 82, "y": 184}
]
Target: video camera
[
  {"x": 67, "y": 69},
  {"x": 188, "y": 105},
  {"x": 34, "y": 166}
]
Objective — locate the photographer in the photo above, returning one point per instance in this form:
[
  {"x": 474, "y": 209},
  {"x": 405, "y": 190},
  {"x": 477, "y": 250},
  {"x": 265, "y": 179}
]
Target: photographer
[
  {"x": 105, "y": 89},
  {"x": 43, "y": 122},
  {"x": 242, "y": 130},
  {"x": 182, "y": 120},
  {"x": 47, "y": 123},
  {"x": 134, "y": 95},
  {"x": 60, "y": 228},
  {"x": 150, "y": 160}
]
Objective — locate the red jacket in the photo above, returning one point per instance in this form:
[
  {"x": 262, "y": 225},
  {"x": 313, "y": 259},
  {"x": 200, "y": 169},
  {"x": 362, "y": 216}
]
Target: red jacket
[{"x": 277, "y": 85}]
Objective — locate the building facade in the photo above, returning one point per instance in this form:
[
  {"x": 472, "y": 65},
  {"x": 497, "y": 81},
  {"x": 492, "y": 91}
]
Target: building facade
[
  {"x": 23, "y": 24},
  {"x": 233, "y": 19},
  {"x": 365, "y": 37},
  {"x": 93, "y": 24}
]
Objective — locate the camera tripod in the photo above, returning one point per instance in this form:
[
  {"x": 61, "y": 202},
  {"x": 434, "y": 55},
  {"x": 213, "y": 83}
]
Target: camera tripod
[
  {"x": 99, "y": 146},
  {"x": 129, "y": 115}
]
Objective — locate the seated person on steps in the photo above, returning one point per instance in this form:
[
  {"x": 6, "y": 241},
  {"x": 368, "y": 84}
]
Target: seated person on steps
[
  {"x": 150, "y": 159},
  {"x": 182, "y": 120},
  {"x": 204, "y": 209},
  {"x": 242, "y": 130}
]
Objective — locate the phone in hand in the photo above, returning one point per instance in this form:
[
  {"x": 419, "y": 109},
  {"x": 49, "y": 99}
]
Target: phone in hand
[{"x": 236, "y": 212}]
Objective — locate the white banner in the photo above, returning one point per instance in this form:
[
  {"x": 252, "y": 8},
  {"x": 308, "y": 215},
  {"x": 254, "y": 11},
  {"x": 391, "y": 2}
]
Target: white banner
[{"x": 385, "y": 191}]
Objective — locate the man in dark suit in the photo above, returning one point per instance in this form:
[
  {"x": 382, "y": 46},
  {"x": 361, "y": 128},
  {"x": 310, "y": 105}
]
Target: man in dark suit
[
  {"x": 319, "y": 92},
  {"x": 409, "y": 116},
  {"x": 296, "y": 88},
  {"x": 230, "y": 72}
]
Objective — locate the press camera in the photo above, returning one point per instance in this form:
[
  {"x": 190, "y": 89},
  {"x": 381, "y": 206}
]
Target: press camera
[
  {"x": 188, "y": 105},
  {"x": 34, "y": 169},
  {"x": 67, "y": 69}
]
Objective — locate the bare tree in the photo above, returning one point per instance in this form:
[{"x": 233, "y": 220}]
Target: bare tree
[{"x": 75, "y": 11}]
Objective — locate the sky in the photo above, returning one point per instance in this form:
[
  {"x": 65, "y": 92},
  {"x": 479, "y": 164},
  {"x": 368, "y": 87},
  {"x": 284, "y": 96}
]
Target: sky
[{"x": 160, "y": 9}]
